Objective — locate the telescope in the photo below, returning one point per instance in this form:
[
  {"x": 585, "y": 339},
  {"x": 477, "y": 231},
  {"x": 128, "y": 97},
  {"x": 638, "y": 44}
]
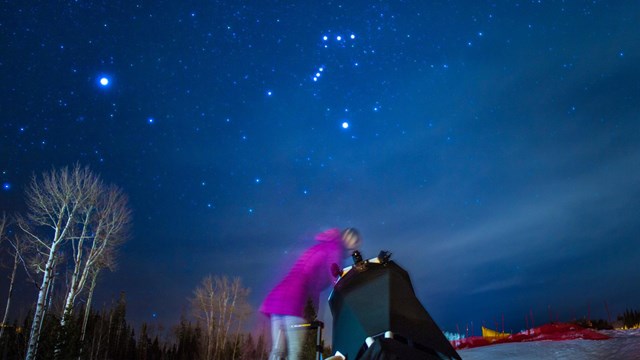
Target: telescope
[{"x": 376, "y": 313}]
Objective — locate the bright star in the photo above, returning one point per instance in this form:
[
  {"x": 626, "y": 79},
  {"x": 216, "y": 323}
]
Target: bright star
[
  {"x": 353, "y": 36},
  {"x": 345, "y": 125},
  {"x": 6, "y": 186},
  {"x": 338, "y": 37},
  {"x": 150, "y": 120},
  {"x": 269, "y": 93},
  {"x": 104, "y": 81},
  {"x": 325, "y": 38}
]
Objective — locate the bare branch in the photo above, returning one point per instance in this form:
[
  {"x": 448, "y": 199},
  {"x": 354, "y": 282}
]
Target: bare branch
[{"x": 71, "y": 215}]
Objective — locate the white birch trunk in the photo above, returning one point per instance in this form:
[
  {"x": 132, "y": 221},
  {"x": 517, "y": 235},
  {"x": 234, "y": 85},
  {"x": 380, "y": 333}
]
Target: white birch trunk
[
  {"x": 16, "y": 259},
  {"x": 73, "y": 286},
  {"x": 235, "y": 343},
  {"x": 87, "y": 310},
  {"x": 221, "y": 284},
  {"x": 235, "y": 286},
  {"x": 38, "y": 317}
]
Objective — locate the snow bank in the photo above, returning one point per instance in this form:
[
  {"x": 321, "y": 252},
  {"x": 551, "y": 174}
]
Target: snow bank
[{"x": 624, "y": 344}]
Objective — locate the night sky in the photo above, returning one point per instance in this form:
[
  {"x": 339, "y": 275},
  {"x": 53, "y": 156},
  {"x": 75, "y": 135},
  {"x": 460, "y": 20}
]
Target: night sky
[{"x": 492, "y": 146}]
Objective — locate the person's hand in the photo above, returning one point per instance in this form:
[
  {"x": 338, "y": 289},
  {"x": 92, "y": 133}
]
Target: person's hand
[
  {"x": 335, "y": 270},
  {"x": 337, "y": 356}
]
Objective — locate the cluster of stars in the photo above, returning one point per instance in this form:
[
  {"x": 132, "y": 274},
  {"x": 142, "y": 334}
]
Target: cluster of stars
[
  {"x": 325, "y": 39},
  {"x": 338, "y": 38},
  {"x": 318, "y": 73},
  {"x": 320, "y": 70},
  {"x": 335, "y": 41}
]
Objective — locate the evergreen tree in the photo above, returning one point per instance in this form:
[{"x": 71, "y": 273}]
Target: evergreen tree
[
  {"x": 143, "y": 343},
  {"x": 131, "y": 349},
  {"x": 309, "y": 347},
  {"x": 118, "y": 335},
  {"x": 261, "y": 347},
  {"x": 248, "y": 349},
  {"x": 154, "y": 353},
  {"x": 48, "y": 337},
  {"x": 630, "y": 318},
  {"x": 67, "y": 338},
  {"x": 189, "y": 341}
]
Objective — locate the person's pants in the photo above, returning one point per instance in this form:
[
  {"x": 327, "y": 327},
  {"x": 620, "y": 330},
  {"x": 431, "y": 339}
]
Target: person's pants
[{"x": 287, "y": 341}]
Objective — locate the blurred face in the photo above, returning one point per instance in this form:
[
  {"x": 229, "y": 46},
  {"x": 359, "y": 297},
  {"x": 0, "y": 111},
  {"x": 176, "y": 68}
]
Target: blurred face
[{"x": 351, "y": 243}]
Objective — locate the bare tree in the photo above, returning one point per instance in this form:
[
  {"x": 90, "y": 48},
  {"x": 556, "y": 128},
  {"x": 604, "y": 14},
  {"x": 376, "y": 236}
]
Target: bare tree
[
  {"x": 232, "y": 299},
  {"x": 203, "y": 303},
  {"x": 87, "y": 308},
  {"x": 104, "y": 227},
  {"x": 16, "y": 252},
  {"x": 4, "y": 222},
  {"x": 219, "y": 303},
  {"x": 3, "y": 226},
  {"x": 61, "y": 207},
  {"x": 243, "y": 311}
]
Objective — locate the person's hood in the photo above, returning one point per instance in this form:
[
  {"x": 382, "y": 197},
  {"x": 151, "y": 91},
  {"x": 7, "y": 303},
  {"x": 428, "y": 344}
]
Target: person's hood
[{"x": 331, "y": 235}]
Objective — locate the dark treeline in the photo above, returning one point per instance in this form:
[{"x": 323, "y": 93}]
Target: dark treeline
[
  {"x": 630, "y": 318},
  {"x": 109, "y": 336}
]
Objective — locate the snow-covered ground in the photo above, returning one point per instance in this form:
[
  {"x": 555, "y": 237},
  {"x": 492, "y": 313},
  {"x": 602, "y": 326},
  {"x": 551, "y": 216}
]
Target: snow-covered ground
[{"x": 624, "y": 345}]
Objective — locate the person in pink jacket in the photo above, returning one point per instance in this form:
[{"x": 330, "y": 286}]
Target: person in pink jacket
[{"x": 309, "y": 276}]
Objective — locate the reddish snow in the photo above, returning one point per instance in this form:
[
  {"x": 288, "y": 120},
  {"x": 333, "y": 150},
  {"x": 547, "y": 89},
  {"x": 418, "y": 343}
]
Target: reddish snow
[
  {"x": 622, "y": 344},
  {"x": 553, "y": 332}
]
